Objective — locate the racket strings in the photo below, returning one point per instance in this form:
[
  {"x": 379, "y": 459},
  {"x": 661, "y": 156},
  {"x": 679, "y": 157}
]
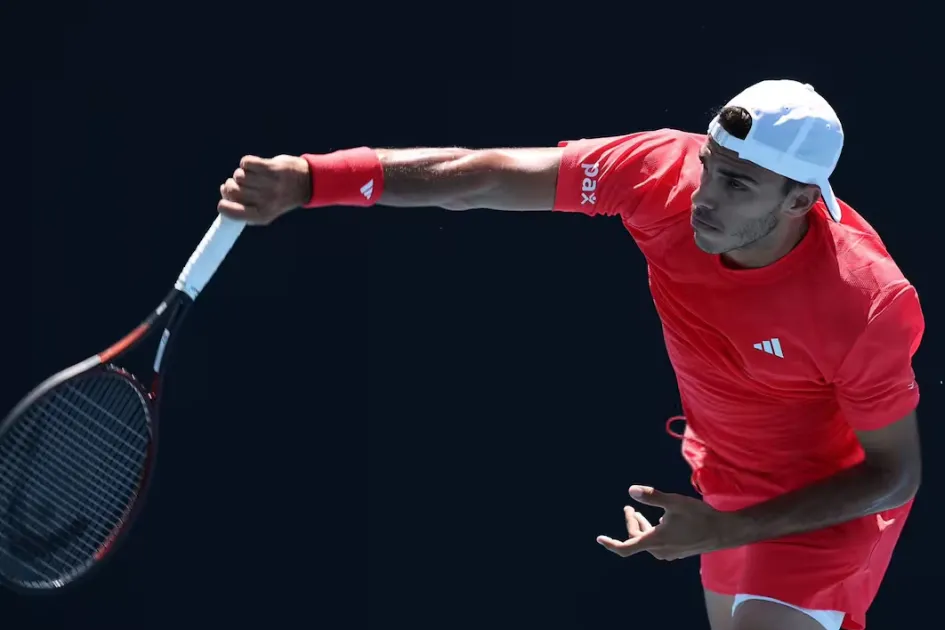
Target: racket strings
[
  {"x": 69, "y": 469},
  {"x": 69, "y": 461},
  {"x": 63, "y": 462}
]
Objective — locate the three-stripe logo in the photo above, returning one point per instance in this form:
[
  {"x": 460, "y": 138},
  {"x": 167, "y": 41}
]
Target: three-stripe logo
[{"x": 770, "y": 346}]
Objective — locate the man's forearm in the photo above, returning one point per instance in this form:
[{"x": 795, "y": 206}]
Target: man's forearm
[
  {"x": 850, "y": 494},
  {"x": 461, "y": 179},
  {"x": 439, "y": 177}
]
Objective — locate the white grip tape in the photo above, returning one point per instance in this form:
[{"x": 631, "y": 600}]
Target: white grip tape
[{"x": 209, "y": 254}]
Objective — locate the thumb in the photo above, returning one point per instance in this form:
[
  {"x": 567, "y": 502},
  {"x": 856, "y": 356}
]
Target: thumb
[{"x": 651, "y": 496}]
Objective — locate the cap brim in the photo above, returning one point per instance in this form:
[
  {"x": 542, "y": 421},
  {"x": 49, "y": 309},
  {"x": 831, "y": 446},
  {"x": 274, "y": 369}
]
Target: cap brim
[{"x": 831, "y": 202}]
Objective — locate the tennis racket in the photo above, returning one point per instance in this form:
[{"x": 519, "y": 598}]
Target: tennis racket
[{"x": 77, "y": 453}]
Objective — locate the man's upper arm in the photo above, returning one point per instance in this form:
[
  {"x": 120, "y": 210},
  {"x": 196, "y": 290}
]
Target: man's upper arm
[
  {"x": 605, "y": 176},
  {"x": 877, "y": 391},
  {"x": 875, "y": 384},
  {"x": 517, "y": 179},
  {"x": 638, "y": 176}
]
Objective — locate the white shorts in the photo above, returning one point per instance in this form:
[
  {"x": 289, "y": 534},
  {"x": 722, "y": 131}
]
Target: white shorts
[{"x": 829, "y": 619}]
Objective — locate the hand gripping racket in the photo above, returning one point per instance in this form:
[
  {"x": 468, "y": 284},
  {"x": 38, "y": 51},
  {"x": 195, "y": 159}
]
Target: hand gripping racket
[{"x": 76, "y": 454}]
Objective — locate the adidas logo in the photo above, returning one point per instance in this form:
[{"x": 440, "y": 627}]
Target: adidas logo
[
  {"x": 368, "y": 189},
  {"x": 770, "y": 346}
]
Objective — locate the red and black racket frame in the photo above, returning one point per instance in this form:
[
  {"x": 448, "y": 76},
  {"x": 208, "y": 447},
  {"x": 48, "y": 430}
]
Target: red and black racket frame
[{"x": 175, "y": 307}]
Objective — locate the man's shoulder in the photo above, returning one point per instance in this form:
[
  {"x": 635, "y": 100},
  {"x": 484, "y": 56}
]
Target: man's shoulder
[
  {"x": 643, "y": 176},
  {"x": 863, "y": 263},
  {"x": 869, "y": 302},
  {"x": 858, "y": 278},
  {"x": 655, "y": 164}
]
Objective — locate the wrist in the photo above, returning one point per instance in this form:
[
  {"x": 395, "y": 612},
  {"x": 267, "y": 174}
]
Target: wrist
[
  {"x": 353, "y": 177},
  {"x": 735, "y": 529},
  {"x": 301, "y": 182}
]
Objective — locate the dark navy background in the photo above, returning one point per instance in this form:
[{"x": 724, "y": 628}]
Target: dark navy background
[{"x": 392, "y": 417}]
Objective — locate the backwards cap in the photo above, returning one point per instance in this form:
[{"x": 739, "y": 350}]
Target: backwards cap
[{"x": 794, "y": 133}]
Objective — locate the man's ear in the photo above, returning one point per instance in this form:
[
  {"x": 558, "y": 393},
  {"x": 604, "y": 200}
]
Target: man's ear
[{"x": 801, "y": 199}]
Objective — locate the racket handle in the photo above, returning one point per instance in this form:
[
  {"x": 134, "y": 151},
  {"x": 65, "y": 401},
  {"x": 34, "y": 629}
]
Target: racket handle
[{"x": 209, "y": 254}]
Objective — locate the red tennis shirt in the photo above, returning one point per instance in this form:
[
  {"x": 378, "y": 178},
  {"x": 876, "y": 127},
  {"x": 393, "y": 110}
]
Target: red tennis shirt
[{"x": 776, "y": 366}]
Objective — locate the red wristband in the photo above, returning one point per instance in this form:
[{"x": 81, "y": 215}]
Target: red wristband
[{"x": 353, "y": 177}]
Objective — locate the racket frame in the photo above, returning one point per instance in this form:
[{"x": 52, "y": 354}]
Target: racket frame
[{"x": 171, "y": 312}]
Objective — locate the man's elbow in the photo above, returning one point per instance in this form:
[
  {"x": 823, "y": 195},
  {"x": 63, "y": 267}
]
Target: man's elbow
[
  {"x": 911, "y": 476},
  {"x": 900, "y": 485},
  {"x": 911, "y": 485}
]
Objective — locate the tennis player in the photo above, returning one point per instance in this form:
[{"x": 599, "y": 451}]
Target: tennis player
[{"x": 790, "y": 328}]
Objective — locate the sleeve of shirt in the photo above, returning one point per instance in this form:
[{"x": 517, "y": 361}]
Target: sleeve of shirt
[
  {"x": 617, "y": 175},
  {"x": 876, "y": 384}
]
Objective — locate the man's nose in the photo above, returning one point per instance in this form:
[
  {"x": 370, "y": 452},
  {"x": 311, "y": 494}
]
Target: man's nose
[{"x": 702, "y": 198}]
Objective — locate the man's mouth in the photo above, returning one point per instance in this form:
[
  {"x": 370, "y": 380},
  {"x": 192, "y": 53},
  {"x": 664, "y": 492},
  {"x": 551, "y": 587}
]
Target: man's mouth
[{"x": 700, "y": 224}]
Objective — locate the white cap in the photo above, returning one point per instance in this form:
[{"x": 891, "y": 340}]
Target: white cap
[{"x": 794, "y": 132}]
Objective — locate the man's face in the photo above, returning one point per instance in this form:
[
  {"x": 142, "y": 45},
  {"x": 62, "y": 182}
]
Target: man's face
[{"x": 737, "y": 203}]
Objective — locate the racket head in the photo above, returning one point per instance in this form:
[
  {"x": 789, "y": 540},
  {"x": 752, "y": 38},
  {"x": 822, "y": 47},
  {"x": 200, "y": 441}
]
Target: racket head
[{"x": 75, "y": 463}]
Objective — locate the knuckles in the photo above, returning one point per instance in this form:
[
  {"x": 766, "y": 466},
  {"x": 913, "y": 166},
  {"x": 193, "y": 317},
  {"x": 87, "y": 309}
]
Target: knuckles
[
  {"x": 263, "y": 188},
  {"x": 231, "y": 190}
]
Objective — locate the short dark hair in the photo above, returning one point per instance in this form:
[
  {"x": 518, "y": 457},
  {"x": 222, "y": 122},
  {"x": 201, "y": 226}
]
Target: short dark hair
[{"x": 737, "y": 122}]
